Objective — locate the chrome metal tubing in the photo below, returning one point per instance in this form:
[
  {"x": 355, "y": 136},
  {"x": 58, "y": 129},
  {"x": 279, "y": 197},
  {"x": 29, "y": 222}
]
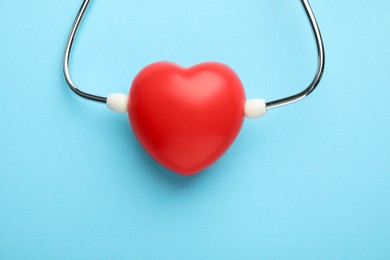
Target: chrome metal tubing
[
  {"x": 320, "y": 66},
  {"x": 68, "y": 49},
  {"x": 269, "y": 105}
]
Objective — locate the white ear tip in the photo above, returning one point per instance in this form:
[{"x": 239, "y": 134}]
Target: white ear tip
[
  {"x": 117, "y": 102},
  {"x": 255, "y": 108}
]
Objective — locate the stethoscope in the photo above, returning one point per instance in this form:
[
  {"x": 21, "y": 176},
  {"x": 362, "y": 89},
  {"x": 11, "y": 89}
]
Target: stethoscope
[{"x": 186, "y": 118}]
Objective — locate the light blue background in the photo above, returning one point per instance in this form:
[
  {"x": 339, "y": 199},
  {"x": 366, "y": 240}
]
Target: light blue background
[{"x": 309, "y": 181}]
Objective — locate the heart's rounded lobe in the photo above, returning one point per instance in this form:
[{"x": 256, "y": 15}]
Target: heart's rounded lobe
[{"x": 186, "y": 118}]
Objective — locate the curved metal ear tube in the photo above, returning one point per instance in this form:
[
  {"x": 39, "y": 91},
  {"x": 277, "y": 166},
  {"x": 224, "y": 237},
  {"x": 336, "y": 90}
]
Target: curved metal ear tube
[
  {"x": 320, "y": 66},
  {"x": 68, "y": 49},
  {"x": 269, "y": 105}
]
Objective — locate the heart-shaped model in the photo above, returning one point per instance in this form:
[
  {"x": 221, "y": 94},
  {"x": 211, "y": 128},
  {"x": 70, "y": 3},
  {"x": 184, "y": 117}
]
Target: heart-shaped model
[{"x": 186, "y": 118}]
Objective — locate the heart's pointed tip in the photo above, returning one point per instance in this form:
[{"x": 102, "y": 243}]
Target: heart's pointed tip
[
  {"x": 187, "y": 174},
  {"x": 181, "y": 170}
]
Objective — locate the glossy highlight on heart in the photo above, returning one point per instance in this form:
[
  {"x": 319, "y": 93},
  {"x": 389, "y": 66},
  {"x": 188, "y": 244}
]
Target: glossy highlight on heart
[{"x": 186, "y": 118}]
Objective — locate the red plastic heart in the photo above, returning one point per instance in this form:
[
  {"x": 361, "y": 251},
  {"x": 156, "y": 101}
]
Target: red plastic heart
[{"x": 186, "y": 118}]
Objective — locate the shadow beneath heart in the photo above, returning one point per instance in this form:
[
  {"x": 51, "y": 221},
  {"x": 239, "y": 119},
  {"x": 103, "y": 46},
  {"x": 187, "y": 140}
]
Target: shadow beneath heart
[{"x": 147, "y": 166}]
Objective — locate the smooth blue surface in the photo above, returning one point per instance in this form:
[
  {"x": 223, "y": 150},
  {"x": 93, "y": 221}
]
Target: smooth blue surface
[{"x": 309, "y": 181}]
